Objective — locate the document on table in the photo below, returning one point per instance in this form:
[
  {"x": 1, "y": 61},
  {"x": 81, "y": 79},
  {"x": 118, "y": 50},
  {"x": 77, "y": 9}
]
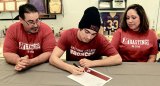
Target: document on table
[{"x": 91, "y": 77}]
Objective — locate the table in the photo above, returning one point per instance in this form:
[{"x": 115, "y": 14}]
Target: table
[{"x": 127, "y": 74}]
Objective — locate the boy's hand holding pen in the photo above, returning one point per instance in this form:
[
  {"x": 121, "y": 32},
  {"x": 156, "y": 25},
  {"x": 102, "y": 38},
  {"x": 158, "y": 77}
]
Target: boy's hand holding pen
[{"x": 77, "y": 70}]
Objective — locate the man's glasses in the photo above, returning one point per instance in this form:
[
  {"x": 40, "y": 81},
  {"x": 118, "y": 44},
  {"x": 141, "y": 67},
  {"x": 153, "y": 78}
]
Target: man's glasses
[{"x": 32, "y": 23}]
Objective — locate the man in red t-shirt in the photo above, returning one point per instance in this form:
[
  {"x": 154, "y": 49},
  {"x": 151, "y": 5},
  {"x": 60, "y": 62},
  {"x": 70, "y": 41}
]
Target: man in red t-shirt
[
  {"x": 28, "y": 42},
  {"x": 85, "y": 45}
]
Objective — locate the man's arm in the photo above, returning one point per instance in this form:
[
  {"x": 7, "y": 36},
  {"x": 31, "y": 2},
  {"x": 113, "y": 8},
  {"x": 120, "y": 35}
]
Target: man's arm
[
  {"x": 14, "y": 58},
  {"x": 111, "y": 60},
  {"x": 11, "y": 58},
  {"x": 22, "y": 63},
  {"x": 56, "y": 61},
  {"x": 40, "y": 58},
  {"x": 107, "y": 61}
]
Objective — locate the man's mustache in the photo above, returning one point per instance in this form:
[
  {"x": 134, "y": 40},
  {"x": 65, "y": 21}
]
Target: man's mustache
[{"x": 35, "y": 29}]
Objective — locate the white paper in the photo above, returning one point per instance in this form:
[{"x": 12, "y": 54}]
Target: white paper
[{"x": 88, "y": 79}]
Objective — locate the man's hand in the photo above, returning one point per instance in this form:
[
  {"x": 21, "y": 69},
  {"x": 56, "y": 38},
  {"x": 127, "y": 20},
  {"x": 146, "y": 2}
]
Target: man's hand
[
  {"x": 23, "y": 63},
  {"x": 76, "y": 70},
  {"x": 86, "y": 63}
]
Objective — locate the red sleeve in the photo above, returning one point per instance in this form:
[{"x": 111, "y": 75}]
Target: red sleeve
[
  {"x": 10, "y": 44},
  {"x": 116, "y": 39},
  {"x": 154, "y": 41},
  {"x": 63, "y": 41},
  {"x": 107, "y": 49},
  {"x": 48, "y": 40}
]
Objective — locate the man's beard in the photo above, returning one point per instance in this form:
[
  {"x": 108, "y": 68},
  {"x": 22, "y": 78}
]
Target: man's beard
[{"x": 33, "y": 30}]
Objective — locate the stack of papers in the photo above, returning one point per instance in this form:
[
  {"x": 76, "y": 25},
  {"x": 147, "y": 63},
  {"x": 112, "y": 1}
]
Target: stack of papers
[{"x": 91, "y": 77}]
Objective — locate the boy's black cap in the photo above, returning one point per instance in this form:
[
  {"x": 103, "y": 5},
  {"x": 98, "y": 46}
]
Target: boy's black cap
[{"x": 90, "y": 19}]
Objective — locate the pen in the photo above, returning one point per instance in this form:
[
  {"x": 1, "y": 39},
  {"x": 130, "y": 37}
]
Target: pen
[{"x": 75, "y": 64}]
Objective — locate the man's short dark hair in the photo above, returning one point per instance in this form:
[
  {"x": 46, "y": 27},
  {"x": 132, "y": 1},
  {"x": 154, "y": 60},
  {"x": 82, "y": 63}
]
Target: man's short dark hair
[{"x": 26, "y": 8}]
